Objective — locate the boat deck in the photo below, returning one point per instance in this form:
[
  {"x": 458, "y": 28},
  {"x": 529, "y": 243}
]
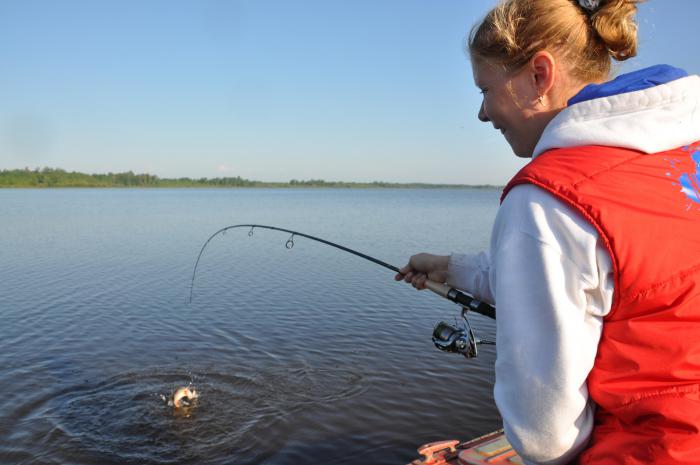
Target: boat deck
[{"x": 490, "y": 449}]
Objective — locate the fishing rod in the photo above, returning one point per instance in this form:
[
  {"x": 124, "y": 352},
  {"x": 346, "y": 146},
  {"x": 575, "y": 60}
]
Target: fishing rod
[{"x": 443, "y": 290}]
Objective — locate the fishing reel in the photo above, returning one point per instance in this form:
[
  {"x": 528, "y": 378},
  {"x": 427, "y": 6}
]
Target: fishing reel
[{"x": 459, "y": 339}]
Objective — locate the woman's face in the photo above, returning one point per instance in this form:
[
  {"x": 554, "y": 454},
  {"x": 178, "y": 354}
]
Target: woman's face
[{"x": 510, "y": 103}]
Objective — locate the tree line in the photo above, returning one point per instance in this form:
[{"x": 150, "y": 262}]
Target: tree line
[{"x": 56, "y": 177}]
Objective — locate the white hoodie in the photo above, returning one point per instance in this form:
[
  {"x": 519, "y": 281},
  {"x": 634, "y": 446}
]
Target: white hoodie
[{"x": 551, "y": 277}]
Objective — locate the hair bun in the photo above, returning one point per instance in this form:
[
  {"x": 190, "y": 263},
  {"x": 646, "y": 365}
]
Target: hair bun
[{"x": 614, "y": 23}]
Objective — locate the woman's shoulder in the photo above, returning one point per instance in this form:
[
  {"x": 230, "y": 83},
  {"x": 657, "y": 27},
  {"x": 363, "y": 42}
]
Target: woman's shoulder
[{"x": 545, "y": 220}]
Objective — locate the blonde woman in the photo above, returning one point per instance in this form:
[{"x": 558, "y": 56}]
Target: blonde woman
[{"x": 594, "y": 262}]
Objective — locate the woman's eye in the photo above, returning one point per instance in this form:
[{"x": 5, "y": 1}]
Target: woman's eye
[{"x": 483, "y": 91}]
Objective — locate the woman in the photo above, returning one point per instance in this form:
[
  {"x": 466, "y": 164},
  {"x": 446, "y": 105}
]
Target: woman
[{"x": 594, "y": 261}]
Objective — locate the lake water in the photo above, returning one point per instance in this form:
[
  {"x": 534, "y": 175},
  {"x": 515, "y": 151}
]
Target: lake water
[{"x": 301, "y": 356}]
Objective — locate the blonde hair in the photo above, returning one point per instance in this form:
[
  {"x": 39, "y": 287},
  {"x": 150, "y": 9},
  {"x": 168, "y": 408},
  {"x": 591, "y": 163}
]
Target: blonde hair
[{"x": 515, "y": 30}]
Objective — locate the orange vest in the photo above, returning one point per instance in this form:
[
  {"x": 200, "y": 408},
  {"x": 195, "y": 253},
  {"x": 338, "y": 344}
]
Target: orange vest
[{"x": 646, "y": 376}]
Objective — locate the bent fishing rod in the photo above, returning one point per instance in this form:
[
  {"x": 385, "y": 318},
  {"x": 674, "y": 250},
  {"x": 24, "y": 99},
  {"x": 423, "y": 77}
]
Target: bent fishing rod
[{"x": 443, "y": 290}]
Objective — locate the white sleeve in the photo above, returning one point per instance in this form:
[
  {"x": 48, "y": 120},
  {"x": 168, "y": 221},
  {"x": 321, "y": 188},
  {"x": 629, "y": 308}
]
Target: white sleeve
[
  {"x": 471, "y": 273},
  {"x": 552, "y": 282}
]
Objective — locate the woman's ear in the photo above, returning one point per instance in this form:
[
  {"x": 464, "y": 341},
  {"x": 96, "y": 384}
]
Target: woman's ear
[{"x": 543, "y": 69}]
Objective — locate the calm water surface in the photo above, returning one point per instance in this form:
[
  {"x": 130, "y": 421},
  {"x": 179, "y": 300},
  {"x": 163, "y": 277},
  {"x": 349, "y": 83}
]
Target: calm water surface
[{"x": 302, "y": 356}]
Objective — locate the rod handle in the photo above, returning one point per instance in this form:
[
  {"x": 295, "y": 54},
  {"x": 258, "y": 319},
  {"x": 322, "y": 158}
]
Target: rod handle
[
  {"x": 440, "y": 289},
  {"x": 450, "y": 293}
]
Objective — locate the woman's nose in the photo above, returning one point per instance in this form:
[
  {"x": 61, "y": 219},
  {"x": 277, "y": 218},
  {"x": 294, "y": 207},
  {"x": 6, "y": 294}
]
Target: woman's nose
[{"x": 483, "y": 117}]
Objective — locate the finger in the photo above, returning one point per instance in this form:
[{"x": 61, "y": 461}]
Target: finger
[
  {"x": 419, "y": 282},
  {"x": 416, "y": 279},
  {"x": 409, "y": 276}
]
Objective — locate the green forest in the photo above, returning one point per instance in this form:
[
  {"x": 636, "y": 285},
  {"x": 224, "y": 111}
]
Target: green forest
[{"x": 56, "y": 177}]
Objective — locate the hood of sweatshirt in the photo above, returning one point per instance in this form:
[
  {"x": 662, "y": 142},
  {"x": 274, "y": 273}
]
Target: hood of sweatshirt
[{"x": 650, "y": 110}]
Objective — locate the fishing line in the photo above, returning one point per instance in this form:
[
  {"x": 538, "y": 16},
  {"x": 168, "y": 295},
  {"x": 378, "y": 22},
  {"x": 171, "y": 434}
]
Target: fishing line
[{"x": 443, "y": 290}]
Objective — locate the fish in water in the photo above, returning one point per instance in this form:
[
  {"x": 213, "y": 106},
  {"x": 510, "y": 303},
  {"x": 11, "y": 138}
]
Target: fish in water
[{"x": 182, "y": 397}]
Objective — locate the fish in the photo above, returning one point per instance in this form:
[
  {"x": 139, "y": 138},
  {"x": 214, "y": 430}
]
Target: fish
[{"x": 183, "y": 397}]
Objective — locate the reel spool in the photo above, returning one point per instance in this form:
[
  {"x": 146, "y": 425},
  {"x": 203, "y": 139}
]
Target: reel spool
[{"x": 459, "y": 339}]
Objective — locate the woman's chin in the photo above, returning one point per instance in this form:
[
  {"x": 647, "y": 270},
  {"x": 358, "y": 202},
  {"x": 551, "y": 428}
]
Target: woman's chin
[{"x": 520, "y": 151}]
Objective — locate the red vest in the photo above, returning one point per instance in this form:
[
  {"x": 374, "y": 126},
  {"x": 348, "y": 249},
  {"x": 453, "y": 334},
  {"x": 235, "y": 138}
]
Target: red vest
[{"x": 646, "y": 376}]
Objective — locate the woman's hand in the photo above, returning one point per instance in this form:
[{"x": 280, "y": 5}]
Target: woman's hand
[{"x": 424, "y": 266}]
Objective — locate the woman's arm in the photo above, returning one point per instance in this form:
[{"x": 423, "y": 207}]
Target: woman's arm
[
  {"x": 470, "y": 273},
  {"x": 552, "y": 283}
]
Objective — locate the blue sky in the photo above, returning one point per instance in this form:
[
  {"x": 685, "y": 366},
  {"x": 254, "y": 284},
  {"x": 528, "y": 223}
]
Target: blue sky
[{"x": 268, "y": 90}]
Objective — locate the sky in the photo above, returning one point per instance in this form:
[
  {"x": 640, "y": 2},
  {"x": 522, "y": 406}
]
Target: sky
[{"x": 357, "y": 90}]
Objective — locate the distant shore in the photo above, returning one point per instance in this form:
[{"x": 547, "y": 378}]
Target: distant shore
[{"x": 57, "y": 178}]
